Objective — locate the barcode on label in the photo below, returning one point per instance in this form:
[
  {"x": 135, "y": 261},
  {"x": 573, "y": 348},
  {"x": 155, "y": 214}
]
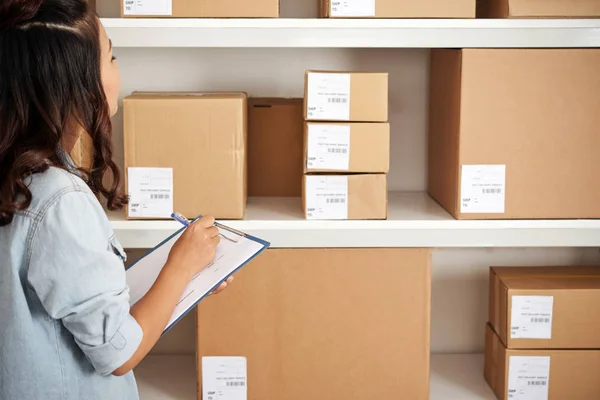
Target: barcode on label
[
  {"x": 536, "y": 383},
  {"x": 491, "y": 191},
  {"x": 341, "y": 100},
  {"x": 336, "y": 201},
  {"x": 236, "y": 384},
  {"x": 337, "y": 151},
  {"x": 540, "y": 320},
  {"x": 160, "y": 196}
]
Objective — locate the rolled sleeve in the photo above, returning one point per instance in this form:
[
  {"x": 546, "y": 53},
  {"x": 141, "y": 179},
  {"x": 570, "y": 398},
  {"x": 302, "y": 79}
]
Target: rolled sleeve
[{"x": 81, "y": 281}]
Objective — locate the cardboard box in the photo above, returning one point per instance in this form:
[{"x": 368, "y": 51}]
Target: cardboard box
[
  {"x": 346, "y": 96},
  {"x": 546, "y": 307},
  {"x": 543, "y": 8},
  {"x": 83, "y": 152},
  {"x": 200, "y": 9},
  {"x": 198, "y": 143},
  {"x": 398, "y": 9},
  {"x": 540, "y": 374},
  {"x": 326, "y": 324},
  {"x": 513, "y": 133},
  {"x": 348, "y": 147},
  {"x": 275, "y": 147},
  {"x": 345, "y": 196}
]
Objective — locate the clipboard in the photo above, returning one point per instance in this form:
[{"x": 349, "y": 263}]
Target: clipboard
[{"x": 236, "y": 250}]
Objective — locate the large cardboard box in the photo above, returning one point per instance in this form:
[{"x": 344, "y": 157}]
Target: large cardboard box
[
  {"x": 347, "y": 147},
  {"x": 275, "y": 147},
  {"x": 540, "y": 374},
  {"x": 513, "y": 133},
  {"x": 348, "y": 324},
  {"x": 200, "y": 9},
  {"x": 346, "y": 96},
  {"x": 186, "y": 152},
  {"x": 542, "y": 8},
  {"x": 546, "y": 307},
  {"x": 398, "y": 9},
  {"x": 345, "y": 197},
  {"x": 83, "y": 152}
]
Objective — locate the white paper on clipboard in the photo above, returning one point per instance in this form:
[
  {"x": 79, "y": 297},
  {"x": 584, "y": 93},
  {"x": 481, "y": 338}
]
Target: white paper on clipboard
[{"x": 232, "y": 253}]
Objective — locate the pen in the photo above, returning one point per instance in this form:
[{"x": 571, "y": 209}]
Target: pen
[{"x": 186, "y": 222}]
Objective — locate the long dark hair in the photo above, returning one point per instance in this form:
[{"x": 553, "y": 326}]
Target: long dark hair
[{"x": 50, "y": 79}]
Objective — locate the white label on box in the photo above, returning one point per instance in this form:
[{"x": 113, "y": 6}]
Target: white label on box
[
  {"x": 531, "y": 317},
  {"x": 352, "y": 8},
  {"x": 326, "y": 197},
  {"x": 328, "y": 96},
  {"x": 483, "y": 189},
  {"x": 528, "y": 378},
  {"x": 147, "y": 7},
  {"x": 224, "y": 378},
  {"x": 150, "y": 192},
  {"x": 328, "y": 147}
]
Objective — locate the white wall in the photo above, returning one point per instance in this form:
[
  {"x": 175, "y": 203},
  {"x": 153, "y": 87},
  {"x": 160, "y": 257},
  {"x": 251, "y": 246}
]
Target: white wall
[{"x": 459, "y": 300}]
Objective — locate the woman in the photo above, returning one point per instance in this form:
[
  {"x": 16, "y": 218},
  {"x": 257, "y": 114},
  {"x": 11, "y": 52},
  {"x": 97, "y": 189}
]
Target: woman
[{"x": 67, "y": 331}]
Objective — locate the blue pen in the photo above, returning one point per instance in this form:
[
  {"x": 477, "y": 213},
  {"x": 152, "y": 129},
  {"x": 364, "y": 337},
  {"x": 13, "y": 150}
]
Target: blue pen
[
  {"x": 180, "y": 218},
  {"x": 186, "y": 222}
]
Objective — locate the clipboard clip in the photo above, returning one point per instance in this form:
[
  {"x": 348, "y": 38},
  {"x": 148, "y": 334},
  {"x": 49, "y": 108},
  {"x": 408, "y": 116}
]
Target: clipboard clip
[{"x": 239, "y": 234}]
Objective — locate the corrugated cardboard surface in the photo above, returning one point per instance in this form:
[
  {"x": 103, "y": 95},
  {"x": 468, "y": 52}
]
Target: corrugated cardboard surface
[
  {"x": 368, "y": 95},
  {"x": 83, "y": 152},
  {"x": 367, "y": 196},
  {"x": 543, "y": 8},
  {"x": 321, "y": 324},
  {"x": 369, "y": 147},
  {"x": 576, "y": 308},
  {"x": 202, "y": 137},
  {"x": 275, "y": 147},
  {"x": 533, "y": 110},
  {"x": 573, "y": 373},
  {"x": 218, "y": 9},
  {"x": 415, "y": 9}
]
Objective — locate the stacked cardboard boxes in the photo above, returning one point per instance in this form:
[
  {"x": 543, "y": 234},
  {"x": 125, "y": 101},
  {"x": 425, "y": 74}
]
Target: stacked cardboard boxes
[
  {"x": 186, "y": 152},
  {"x": 542, "y": 338},
  {"x": 346, "y": 145},
  {"x": 200, "y": 9},
  {"x": 513, "y": 133}
]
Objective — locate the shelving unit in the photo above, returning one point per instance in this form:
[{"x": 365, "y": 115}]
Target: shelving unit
[
  {"x": 353, "y": 33},
  {"x": 414, "y": 220},
  {"x": 206, "y": 53},
  {"x": 453, "y": 377}
]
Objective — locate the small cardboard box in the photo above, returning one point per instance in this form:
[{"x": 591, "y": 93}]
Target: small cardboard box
[
  {"x": 200, "y": 9},
  {"x": 365, "y": 337},
  {"x": 347, "y": 147},
  {"x": 540, "y": 374},
  {"x": 345, "y": 197},
  {"x": 546, "y": 307},
  {"x": 275, "y": 147},
  {"x": 543, "y": 8},
  {"x": 398, "y": 9},
  {"x": 83, "y": 152},
  {"x": 346, "y": 96},
  {"x": 186, "y": 152},
  {"x": 513, "y": 133}
]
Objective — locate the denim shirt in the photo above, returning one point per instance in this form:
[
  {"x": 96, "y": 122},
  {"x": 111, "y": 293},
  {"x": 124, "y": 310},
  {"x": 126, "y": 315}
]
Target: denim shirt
[{"x": 65, "y": 324}]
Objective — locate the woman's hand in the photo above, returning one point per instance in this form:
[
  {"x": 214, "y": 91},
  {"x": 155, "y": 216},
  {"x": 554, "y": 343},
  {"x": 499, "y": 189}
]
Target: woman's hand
[
  {"x": 222, "y": 286},
  {"x": 196, "y": 248}
]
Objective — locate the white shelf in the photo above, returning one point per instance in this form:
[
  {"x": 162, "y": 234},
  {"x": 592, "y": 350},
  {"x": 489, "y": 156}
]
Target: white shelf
[
  {"x": 453, "y": 377},
  {"x": 354, "y": 33},
  {"x": 414, "y": 220}
]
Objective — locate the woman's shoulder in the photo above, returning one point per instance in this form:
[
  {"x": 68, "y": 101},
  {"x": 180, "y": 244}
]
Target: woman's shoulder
[{"x": 49, "y": 186}]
